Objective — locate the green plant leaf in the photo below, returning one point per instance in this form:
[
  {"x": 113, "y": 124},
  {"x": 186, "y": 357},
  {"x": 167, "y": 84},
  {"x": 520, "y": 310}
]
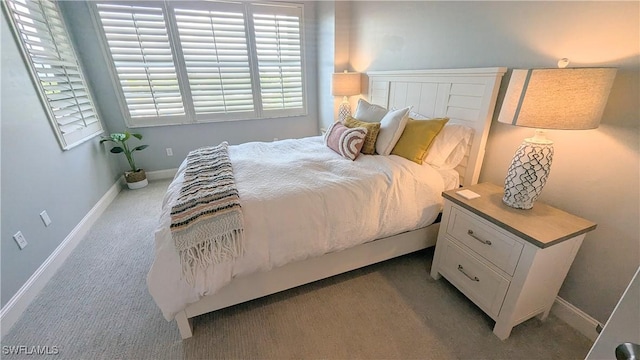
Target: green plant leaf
[
  {"x": 141, "y": 147},
  {"x": 127, "y": 136},
  {"x": 137, "y": 136},
  {"x": 116, "y": 150}
]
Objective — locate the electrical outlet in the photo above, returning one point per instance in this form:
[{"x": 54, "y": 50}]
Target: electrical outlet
[
  {"x": 20, "y": 240},
  {"x": 45, "y": 218},
  {"x": 275, "y": 139},
  {"x": 169, "y": 152}
]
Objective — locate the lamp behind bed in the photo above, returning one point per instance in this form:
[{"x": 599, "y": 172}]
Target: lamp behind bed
[{"x": 345, "y": 84}]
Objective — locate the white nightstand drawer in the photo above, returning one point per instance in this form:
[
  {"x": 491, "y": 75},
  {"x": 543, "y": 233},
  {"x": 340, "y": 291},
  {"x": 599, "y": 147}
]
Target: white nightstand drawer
[
  {"x": 482, "y": 285},
  {"x": 486, "y": 240}
]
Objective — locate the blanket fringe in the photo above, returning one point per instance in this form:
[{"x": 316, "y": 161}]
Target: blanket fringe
[{"x": 214, "y": 250}]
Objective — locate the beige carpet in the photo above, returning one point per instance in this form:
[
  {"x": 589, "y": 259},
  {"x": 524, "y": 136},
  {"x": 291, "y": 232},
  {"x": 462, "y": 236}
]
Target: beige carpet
[{"x": 97, "y": 307}]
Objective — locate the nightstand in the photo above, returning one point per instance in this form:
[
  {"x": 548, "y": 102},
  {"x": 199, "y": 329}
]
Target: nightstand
[{"x": 509, "y": 262}]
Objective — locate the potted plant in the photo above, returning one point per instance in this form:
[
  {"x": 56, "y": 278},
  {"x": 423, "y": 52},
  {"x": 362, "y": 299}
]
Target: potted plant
[{"x": 136, "y": 178}]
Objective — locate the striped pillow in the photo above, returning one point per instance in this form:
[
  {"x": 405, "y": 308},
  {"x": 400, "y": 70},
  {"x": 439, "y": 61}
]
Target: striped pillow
[{"x": 345, "y": 141}]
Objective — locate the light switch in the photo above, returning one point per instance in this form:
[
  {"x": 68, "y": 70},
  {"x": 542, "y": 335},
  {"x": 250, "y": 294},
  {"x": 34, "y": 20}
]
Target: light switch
[
  {"x": 45, "y": 218},
  {"x": 19, "y": 238}
]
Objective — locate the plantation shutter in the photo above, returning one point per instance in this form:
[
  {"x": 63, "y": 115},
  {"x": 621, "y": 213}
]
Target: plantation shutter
[
  {"x": 213, "y": 40},
  {"x": 279, "y": 54},
  {"x": 138, "y": 42},
  {"x": 197, "y": 61},
  {"x": 56, "y": 70}
]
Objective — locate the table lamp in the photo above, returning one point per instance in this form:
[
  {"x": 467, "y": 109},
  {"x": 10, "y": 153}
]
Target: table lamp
[
  {"x": 345, "y": 84},
  {"x": 568, "y": 99}
]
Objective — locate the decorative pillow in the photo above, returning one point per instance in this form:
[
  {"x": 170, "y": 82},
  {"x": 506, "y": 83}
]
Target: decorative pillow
[
  {"x": 417, "y": 137},
  {"x": 417, "y": 116},
  {"x": 369, "y": 112},
  {"x": 345, "y": 141},
  {"x": 414, "y": 115},
  {"x": 369, "y": 146},
  {"x": 391, "y": 128},
  {"x": 449, "y": 146}
]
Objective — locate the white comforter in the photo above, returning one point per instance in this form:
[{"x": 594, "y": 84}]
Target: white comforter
[{"x": 300, "y": 199}]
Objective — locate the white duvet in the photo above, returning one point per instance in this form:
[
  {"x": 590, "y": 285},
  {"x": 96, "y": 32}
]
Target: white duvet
[{"x": 299, "y": 200}]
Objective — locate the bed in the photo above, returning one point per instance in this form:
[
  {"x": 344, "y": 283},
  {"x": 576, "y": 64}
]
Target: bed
[{"x": 402, "y": 200}]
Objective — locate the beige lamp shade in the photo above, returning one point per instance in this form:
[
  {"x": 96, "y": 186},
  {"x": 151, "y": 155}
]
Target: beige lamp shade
[
  {"x": 345, "y": 84},
  {"x": 569, "y": 99}
]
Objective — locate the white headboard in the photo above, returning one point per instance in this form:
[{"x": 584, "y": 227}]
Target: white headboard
[{"x": 465, "y": 96}]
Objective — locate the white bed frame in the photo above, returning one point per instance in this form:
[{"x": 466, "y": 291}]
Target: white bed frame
[{"x": 466, "y": 96}]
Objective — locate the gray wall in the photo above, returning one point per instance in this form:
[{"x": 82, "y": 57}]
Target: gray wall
[
  {"x": 334, "y": 25},
  {"x": 326, "y": 32},
  {"x": 595, "y": 172},
  {"x": 184, "y": 138},
  {"x": 37, "y": 175}
]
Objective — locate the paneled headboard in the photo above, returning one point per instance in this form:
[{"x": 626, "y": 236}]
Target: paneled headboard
[{"x": 465, "y": 96}]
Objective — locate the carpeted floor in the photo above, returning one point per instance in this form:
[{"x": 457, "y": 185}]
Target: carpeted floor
[{"x": 97, "y": 307}]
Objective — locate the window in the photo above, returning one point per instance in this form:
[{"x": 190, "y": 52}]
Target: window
[
  {"x": 143, "y": 60},
  {"x": 216, "y": 55},
  {"x": 186, "y": 62},
  {"x": 47, "y": 48},
  {"x": 277, "y": 37}
]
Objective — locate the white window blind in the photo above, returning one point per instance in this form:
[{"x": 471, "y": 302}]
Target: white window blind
[
  {"x": 138, "y": 42},
  {"x": 278, "y": 47},
  {"x": 216, "y": 56},
  {"x": 186, "y": 61},
  {"x": 46, "y": 46}
]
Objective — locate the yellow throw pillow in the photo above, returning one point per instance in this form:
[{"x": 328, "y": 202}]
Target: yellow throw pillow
[
  {"x": 373, "y": 129},
  {"x": 417, "y": 137}
]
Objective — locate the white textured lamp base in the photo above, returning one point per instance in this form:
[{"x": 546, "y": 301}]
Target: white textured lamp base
[
  {"x": 527, "y": 173},
  {"x": 344, "y": 110}
]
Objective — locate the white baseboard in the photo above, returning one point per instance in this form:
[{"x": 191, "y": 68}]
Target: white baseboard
[
  {"x": 161, "y": 174},
  {"x": 12, "y": 311},
  {"x": 575, "y": 317}
]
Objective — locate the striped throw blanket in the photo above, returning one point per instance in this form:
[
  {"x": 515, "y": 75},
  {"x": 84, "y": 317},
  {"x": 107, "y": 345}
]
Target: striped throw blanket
[{"x": 206, "y": 221}]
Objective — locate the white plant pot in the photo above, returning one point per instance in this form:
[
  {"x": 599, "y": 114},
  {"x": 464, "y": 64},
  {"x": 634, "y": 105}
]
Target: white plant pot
[
  {"x": 138, "y": 184},
  {"x": 136, "y": 180}
]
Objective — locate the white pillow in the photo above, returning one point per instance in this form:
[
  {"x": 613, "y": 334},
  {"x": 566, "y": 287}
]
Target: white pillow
[
  {"x": 417, "y": 116},
  {"x": 391, "y": 128},
  {"x": 414, "y": 115},
  {"x": 369, "y": 112},
  {"x": 449, "y": 147}
]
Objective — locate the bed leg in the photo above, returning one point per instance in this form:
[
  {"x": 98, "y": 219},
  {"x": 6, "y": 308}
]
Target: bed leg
[
  {"x": 543, "y": 315},
  {"x": 184, "y": 325}
]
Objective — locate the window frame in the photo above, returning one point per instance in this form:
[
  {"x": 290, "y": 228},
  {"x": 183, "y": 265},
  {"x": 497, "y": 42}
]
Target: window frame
[
  {"x": 70, "y": 140},
  {"x": 190, "y": 116}
]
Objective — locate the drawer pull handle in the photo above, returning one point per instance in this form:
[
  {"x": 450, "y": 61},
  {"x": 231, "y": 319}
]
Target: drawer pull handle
[
  {"x": 486, "y": 242},
  {"x": 461, "y": 269}
]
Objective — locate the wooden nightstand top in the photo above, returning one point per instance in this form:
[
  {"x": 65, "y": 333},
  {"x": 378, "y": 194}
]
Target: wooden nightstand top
[{"x": 543, "y": 225}]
